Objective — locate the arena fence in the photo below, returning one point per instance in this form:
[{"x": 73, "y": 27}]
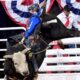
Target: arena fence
[
  {"x": 3, "y": 49},
  {"x": 61, "y": 64},
  {"x": 2, "y": 53}
]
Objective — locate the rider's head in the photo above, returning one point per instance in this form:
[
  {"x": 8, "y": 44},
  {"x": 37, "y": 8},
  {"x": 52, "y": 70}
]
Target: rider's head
[{"x": 34, "y": 8}]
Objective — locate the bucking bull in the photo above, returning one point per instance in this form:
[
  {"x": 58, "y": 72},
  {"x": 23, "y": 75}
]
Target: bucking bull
[{"x": 17, "y": 66}]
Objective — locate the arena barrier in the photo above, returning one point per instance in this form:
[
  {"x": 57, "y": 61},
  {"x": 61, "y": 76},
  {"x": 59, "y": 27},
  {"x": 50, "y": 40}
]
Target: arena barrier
[
  {"x": 61, "y": 64},
  {"x": 2, "y": 53}
]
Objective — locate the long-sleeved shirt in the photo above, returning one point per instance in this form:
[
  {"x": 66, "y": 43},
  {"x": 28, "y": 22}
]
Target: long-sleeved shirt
[
  {"x": 72, "y": 20},
  {"x": 33, "y": 22}
]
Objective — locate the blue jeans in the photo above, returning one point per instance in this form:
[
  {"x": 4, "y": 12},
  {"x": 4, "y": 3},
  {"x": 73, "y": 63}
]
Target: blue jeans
[{"x": 27, "y": 42}]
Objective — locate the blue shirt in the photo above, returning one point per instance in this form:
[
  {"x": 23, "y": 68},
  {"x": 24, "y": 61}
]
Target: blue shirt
[{"x": 34, "y": 21}]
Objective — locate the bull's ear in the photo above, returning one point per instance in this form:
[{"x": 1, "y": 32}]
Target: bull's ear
[
  {"x": 26, "y": 50},
  {"x": 7, "y": 56}
]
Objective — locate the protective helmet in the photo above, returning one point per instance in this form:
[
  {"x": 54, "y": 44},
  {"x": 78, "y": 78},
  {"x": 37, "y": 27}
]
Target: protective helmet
[{"x": 34, "y": 7}]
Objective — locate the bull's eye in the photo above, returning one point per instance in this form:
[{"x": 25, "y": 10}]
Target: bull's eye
[{"x": 15, "y": 63}]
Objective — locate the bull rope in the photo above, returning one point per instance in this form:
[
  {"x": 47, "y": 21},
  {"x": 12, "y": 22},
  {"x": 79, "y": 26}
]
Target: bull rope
[{"x": 48, "y": 46}]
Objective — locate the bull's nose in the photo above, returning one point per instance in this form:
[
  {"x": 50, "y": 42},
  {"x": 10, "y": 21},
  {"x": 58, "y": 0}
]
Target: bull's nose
[{"x": 25, "y": 73}]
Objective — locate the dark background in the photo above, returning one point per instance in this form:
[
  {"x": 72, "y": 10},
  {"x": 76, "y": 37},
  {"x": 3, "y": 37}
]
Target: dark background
[{"x": 5, "y": 21}]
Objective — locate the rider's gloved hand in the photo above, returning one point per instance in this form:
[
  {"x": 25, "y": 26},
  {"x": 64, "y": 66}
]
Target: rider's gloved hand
[{"x": 22, "y": 41}]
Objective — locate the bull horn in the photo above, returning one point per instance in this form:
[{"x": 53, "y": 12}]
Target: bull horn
[
  {"x": 25, "y": 50},
  {"x": 7, "y": 56}
]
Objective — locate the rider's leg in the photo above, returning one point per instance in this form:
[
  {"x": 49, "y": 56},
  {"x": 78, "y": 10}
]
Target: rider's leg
[{"x": 34, "y": 63}]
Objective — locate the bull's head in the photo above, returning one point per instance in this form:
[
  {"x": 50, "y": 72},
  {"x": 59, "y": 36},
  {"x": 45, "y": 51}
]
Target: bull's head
[{"x": 19, "y": 60}]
